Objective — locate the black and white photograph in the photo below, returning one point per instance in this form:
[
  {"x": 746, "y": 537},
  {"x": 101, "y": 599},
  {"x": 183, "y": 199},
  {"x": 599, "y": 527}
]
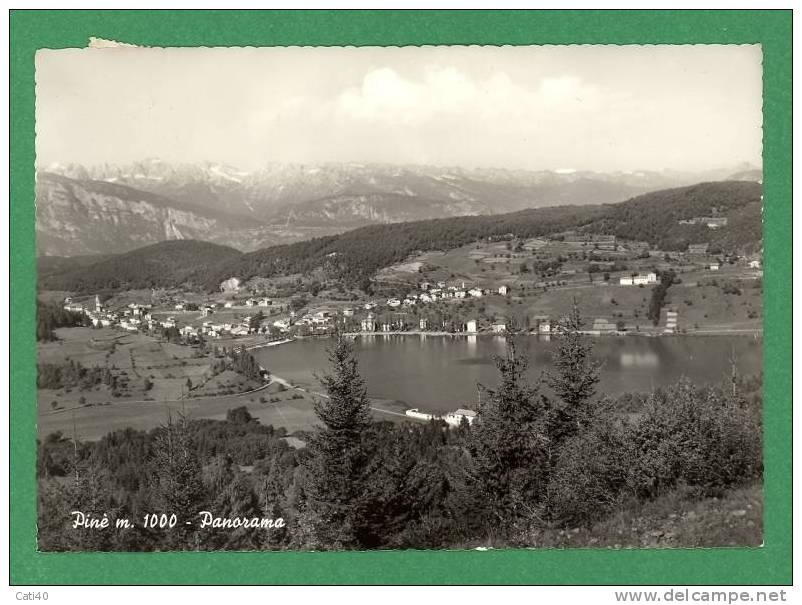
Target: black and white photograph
[{"x": 383, "y": 298}]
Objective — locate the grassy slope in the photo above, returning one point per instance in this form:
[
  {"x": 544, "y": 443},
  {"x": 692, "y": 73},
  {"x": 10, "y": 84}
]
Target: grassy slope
[{"x": 674, "y": 520}]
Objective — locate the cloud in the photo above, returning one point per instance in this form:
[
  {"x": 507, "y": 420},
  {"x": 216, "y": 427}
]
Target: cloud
[{"x": 384, "y": 95}]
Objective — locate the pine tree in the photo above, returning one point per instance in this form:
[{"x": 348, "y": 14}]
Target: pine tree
[
  {"x": 508, "y": 442},
  {"x": 336, "y": 468},
  {"x": 575, "y": 379},
  {"x": 178, "y": 486}
]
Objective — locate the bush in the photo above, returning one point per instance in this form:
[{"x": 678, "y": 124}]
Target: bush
[
  {"x": 239, "y": 415},
  {"x": 708, "y": 439},
  {"x": 591, "y": 472}
]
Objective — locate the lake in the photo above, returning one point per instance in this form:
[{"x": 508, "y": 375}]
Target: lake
[{"x": 440, "y": 373}]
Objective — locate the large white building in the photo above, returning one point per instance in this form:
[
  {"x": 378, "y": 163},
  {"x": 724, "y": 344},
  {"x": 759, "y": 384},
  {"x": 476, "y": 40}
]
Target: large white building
[
  {"x": 455, "y": 418},
  {"x": 642, "y": 279}
]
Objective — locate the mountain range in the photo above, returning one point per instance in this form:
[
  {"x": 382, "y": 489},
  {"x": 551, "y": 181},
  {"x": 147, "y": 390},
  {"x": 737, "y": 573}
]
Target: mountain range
[{"x": 108, "y": 209}]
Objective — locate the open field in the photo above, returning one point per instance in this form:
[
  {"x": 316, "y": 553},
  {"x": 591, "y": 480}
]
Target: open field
[
  {"x": 292, "y": 409},
  {"x": 93, "y": 412},
  {"x": 147, "y": 372}
]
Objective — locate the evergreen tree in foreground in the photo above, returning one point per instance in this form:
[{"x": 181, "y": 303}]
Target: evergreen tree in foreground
[
  {"x": 507, "y": 441},
  {"x": 574, "y": 379},
  {"x": 177, "y": 486},
  {"x": 336, "y": 470}
]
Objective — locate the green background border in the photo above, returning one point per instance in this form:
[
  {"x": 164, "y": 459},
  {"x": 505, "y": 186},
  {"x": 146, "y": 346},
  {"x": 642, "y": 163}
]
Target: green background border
[{"x": 30, "y": 30}]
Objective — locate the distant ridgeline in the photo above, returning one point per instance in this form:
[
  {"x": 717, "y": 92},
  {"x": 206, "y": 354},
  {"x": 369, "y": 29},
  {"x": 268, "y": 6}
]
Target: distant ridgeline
[
  {"x": 166, "y": 264},
  {"x": 355, "y": 256}
]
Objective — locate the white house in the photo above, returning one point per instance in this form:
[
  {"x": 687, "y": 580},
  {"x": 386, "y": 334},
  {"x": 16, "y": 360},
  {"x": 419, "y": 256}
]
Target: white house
[
  {"x": 228, "y": 305},
  {"x": 265, "y": 302},
  {"x": 475, "y": 292},
  {"x": 471, "y": 326},
  {"x": 460, "y": 294},
  {"x": 455, "y": 418},
  {"x": 348, "y": 312},
  {"x": 640, "y": 280},
  {"x": 416, "y": 413},
  {"x": 282, "y": 324},
  {"x": 393, "y": 302},
  {"x": 423, "y": 324},
  {"x": 498, "y": 327},
  {"x": 503, "y": 290},
  {"x": 714, "y": 267},
  {"x": 544, "y": 327},
  {"x": 625, "y": 281},
  {"x": 754, "y": 264}
]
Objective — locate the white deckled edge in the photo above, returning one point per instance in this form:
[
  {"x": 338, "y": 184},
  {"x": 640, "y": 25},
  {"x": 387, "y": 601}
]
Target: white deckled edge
[{"x": 103, "y": 43}]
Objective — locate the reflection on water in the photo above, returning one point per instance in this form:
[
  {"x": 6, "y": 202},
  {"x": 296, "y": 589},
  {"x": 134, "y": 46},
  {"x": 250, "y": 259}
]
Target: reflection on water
[
  {"x": 436, "y": 373},
  {"x": 646, "y": 360}
]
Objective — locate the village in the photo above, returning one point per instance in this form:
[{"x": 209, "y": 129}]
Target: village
[{"x": 525, "y": 282}]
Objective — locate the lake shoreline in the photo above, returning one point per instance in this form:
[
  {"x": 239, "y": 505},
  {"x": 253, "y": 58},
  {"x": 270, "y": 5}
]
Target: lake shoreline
[{"x": 591, "y": 333}]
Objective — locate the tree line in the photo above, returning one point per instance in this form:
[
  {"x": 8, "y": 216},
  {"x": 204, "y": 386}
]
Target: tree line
[{"x": 51, "y": 316}]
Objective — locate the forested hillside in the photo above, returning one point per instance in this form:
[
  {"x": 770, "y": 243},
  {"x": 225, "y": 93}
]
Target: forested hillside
[
  {"x": 165, "y": 264},
  {"x": 356, "y": 255},
  {"x": 655, "y": 217}
]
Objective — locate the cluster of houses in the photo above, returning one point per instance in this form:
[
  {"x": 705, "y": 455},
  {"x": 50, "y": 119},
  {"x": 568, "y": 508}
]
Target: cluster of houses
[
  {"x": 319, "y": 322},
  {"x": 135, "y": 317},
  {"x": 130, "y": 318},
  {"x": 541, "y": 325},
  {"x": 440, "y": 291}
]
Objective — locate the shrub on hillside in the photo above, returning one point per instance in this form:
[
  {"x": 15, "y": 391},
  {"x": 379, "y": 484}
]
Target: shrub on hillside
[
  {"x": 708, "y": 439},
  {"x": 590, "y": 475}
]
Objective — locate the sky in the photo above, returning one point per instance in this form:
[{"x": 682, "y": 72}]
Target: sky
[{"x": 600, "y": 108}]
